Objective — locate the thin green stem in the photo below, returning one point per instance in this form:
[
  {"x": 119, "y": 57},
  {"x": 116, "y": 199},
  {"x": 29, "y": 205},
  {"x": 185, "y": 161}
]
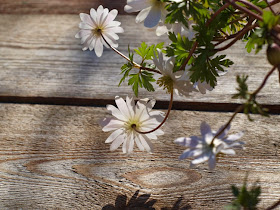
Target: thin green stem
[
  {"x": 240, "y": 108},
  {"x": 165, "y": 118},
  {"x": 136, "y": 65}
]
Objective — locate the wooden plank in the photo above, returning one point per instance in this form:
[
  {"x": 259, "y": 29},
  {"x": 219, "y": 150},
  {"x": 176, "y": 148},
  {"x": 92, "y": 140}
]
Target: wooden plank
[
  {"x": 55, "y": 157},
  {"x": 41, "y": 58},
  {"x": 56, "y": 6}
]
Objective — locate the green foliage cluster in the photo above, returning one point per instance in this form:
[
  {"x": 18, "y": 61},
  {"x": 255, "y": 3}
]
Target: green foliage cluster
[
  {"x": 245, "y": 198},
  {"x": 141, "y": 78},
  {"x": 251, "y": 105},
  {"x": 262, "y": 35},
  {"x": 207, "y": 60}
]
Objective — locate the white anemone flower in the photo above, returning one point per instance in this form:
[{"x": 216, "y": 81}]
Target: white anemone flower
[
  {"x": 201, "y": 148},
  {"x": 99, "y": 22},
  {"x": 151, "y": 11},
  {"x": 181, "y": 86},
  {"x": 128, "y": 116}
]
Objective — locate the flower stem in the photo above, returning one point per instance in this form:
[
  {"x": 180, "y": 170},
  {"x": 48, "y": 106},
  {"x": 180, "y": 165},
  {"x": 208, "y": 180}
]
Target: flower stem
[
  {"x": 274, "y": 205},
  {"x": 165, "y": 118},
  {"x": 268, "y": 4},
  {"x": 252, "y": 6},
  {"x": 247, "y": 28},
  {"x": 247, "y": 11},
  {"x": 240, "y": 108},
  {"x": 136, "y": 65}
]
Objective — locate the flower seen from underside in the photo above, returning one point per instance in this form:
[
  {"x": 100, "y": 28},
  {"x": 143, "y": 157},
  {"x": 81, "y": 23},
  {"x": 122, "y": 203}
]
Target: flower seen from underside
[
  {"x": 99, "y": 22},
  {"x": 151, "y": 11},
  {"x": 127, "y": 116},
  {"x": 170, "y": 80},
  {"x": 202, "y": 149}
]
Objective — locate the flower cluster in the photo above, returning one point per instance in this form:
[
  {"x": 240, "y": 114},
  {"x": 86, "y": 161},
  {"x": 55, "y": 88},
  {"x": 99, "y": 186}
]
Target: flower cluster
[{"x": 132, "y": 123}]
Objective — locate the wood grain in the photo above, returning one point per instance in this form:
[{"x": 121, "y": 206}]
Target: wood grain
[
  {"x": 56, "y": 6},
  {"x": 41, "y": 59},
  {"x": 54, "y": 157}
]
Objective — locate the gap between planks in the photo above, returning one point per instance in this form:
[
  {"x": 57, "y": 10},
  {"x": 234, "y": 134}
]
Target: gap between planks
[{"x": 177, "y": 105}]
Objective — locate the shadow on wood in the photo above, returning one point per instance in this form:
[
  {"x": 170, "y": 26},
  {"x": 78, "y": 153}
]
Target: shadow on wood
[{"x": 142, "y": 202}]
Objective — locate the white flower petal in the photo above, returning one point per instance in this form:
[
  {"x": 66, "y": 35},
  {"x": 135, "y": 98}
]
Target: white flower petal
[
  {"x": 161, "y": 30},
  {"x": 117, "y": 142},
  {"x": 234, "y": 137},
  {"x": 142, "y": 15},
  {"x": 87, "y": 19},
  {"x": 112, "y": 15},
  {"x": 98, "y": 48},
  {"x": 146, "y": 143},
  {"x": 201, "y": 158},
  {"x": 114, "y": 135},
  {"x": 136, "y": 5},
  {"x": 228, "y": 151},
  {"x": 85, "y": 26},
  {"x": 191, "y": 153},
  {"x": 130, "y": 143},
  {"x": 93, "y": 15},
  {"x": 116, "y": 113},
  {"x": 113, "y": 125},
  {"x": 122, "y": 107},
  {"x": 138, "y": 143}
]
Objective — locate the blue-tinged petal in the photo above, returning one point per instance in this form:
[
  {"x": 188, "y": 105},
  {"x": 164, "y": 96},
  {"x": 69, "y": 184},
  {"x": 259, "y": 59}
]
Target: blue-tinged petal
[
  {"x": 212, "y": 162},
  {"x": 153, "y": 17}
]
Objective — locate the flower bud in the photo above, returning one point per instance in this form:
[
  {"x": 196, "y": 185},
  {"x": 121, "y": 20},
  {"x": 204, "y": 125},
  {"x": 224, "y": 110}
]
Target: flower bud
[{"x": 273, "y": 54}]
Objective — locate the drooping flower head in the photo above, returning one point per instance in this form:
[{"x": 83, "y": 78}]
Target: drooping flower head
[
  {"x": 128, "y": 116},
  {"x": 151, "y": 11},
  {"x": 170, "y": 80},
  {"x": 203, "y": 149},
  {"x": 99, "y": 22}
]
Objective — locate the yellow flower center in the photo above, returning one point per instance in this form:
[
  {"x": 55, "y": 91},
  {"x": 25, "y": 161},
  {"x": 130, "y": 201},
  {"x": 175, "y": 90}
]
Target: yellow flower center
[
  {"x": 132, "y": 124},
  {"x": 97, "y": 31}
]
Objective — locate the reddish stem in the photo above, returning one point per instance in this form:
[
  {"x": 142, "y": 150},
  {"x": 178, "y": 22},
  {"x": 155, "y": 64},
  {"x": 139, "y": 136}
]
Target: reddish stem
[
  {"x": 247, "y": 28},
  {"x": 165, "y": 118},
  {"x": 247, "y": 11}
]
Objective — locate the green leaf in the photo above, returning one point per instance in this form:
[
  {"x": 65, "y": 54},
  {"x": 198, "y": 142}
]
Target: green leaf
[
  {"x": 205, "y": 68},
  {"x": 147, "y": 52},
  {"x": 242, "y": 87},
  {"x": 179, "y": 48},
  {"x": 126, "y": 68},
  {"x": 147, "y": 78},
  {"x": 135, "y": 81}
]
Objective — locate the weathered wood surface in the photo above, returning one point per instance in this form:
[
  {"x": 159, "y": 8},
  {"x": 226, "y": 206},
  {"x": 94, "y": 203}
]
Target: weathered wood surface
[
  {"x": 57, "y": 6},
  {"x": 55, "y": 157},
  {"x": 41, "y": 60}
]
